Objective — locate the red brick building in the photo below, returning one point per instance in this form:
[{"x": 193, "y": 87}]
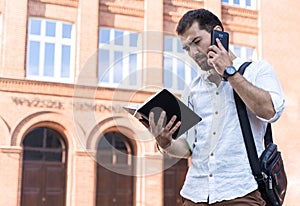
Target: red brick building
[{"x": 66, "y": 69}]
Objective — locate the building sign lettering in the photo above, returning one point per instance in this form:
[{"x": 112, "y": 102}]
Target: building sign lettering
[
  {"x": 78, "y": 106},
  {"x": 81, "y": 106},
  {"x": 36, "y": 102}
]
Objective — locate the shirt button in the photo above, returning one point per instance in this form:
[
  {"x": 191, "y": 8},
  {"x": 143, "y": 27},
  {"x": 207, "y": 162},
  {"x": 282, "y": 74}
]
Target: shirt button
[
  {"x": 217, "y": 93},
  {"x": 216, "y": 112},
  {"x": 210, "y": 175},
  {"x": 214, "y": 133},
  {"x": 212, "y": 154}
]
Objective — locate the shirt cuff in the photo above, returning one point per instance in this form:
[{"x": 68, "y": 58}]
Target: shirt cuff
[
  {"x": 279, "y": 105},
  {"x": 178, "y": 148}
]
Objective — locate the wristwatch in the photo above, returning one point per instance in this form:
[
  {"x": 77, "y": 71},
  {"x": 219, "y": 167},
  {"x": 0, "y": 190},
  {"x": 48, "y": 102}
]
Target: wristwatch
[{"x": 229, "y": 71}]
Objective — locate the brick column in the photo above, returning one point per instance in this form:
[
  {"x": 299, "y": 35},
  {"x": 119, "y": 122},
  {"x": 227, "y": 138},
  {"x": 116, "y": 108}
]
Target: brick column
[
  {"x": 153, "y": 184},
  {"x": 87, "y": 41},
  {"x": 85, "y": 179},
  {"x": 153, "y": 43},
  {"x": 10, "y": 177},
  {"x": 14, "y": 39}
]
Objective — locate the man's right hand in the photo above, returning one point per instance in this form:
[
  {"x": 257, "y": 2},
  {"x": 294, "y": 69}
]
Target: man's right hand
[{"x": 163, "y": 135}]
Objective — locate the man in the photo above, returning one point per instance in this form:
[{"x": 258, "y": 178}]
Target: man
[{"x": 220, "y": 172}]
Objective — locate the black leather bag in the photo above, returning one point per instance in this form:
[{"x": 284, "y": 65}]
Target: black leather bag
[
  {"x": 268, "y": 169},
  {"x": 274, "y": 180}
]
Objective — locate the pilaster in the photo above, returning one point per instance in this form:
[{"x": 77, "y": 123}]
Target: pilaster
[
  {"x": 14, "y": 39},
  {"x": 153, "y": 43}
]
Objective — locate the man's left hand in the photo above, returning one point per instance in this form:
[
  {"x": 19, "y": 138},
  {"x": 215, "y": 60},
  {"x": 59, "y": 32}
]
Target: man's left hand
[{"x": 219, "y": 57}]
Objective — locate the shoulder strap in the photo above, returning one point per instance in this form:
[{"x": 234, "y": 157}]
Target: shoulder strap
[
  {"x": 246, "y": 129},
  {"x": 243, "y": 67},
  {"x": 268, "y": 136}
]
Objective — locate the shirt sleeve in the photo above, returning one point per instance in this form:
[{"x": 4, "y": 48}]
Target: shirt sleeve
[
  {"x": 265, "y": 78},
  {"x": 178, "y": 148}
]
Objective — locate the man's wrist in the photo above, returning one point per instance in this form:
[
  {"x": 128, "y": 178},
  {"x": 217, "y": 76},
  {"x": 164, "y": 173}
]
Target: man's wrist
[
  {"x": 167, "y": 145},
  {"x": 228, "y": 72},
  {"x": 162, "y": 149}
]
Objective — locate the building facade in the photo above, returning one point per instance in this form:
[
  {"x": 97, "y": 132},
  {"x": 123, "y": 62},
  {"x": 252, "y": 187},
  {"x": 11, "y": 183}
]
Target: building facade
[{"x": 68, "y": 67}]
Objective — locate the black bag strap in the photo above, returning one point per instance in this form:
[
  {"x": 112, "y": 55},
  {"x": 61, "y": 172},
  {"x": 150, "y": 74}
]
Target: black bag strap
[{"x": 247, "y": 132}]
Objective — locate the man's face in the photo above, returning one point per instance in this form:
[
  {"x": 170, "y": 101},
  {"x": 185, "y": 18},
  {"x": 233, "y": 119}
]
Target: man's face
[{"x": 196, "y": 43}]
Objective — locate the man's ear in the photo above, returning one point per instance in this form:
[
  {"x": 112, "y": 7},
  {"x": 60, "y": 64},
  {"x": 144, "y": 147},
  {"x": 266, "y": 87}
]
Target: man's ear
[{"x": 218, "y": 28}]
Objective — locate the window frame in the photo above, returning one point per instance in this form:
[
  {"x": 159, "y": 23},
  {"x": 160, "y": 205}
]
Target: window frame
[
  {"x": 244, "y": 51},
  {"x": 58, "y": 41},
  {"x": 113, "y": 47},
  {"x": 44, "y": 149},
  {"x": 242, "y": 4}
]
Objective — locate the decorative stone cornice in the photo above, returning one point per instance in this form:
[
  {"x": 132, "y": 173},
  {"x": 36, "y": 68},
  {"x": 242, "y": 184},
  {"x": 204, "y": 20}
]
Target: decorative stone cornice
[
  {"x": 237, "y": 19},
  {"x": 129, "y": 8},
  {"x": 35, "y": 87},
  {"x": 11, "y": 149},
  {"x": 71, "y": 90},
  {"x": 241, "y": 12},
  {"x": 184, "y": 3},
  {"x": 174, "y": 9},
  {"x": 71, "y": 3},
  {"x": 238, "y": 28}
]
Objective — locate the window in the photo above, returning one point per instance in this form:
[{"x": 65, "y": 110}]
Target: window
[
  {"x": 120, "y": 58},
  {"x": 251, "y": 4},
  {"x": 44, "y": 144},
  {"x": 179, "y": 68},
  {"x": 116, "y": 171},
  {"x": 243, "y": 52},
  {"x": 50, "y": 50},
  {"x": 114, "y": 149}
]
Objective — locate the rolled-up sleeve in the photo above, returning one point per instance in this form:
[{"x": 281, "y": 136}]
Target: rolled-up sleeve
[
  {"x": 278, "y": 104},
  {"x": 266, "y": 79}
]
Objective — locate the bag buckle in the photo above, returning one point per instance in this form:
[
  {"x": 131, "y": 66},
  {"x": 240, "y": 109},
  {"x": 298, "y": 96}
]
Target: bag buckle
[{"x": 261, "y": 178}]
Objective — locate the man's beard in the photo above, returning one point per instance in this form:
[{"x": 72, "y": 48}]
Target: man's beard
[{"x": 203, "y": 64}]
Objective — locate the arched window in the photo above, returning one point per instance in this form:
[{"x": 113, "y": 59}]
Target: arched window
[
  {"x": 174, "y": 174},
  {"x": 115, "y": 167},
  {"x": 44, "y": 168},
  {"x": 44, "y": 144}
]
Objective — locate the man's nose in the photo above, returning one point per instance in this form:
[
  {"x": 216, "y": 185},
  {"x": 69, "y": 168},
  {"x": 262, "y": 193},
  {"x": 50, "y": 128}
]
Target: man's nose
[{"x": 193, "y": 51}]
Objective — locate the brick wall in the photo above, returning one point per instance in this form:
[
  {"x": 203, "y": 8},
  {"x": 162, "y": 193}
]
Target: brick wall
[{"x": 271, "y": 29}]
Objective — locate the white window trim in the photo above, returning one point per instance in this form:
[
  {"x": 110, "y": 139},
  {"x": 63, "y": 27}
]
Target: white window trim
[
  {"x": 242, "y": 4},
  {"x": 58, "y": 41},
  {"x": 126, "y": 50},
  {"x": 243, "y": 53}
]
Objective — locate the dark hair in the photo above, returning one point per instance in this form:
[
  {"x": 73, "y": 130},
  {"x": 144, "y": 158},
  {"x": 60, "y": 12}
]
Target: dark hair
[{"x": 206, "y": 20}]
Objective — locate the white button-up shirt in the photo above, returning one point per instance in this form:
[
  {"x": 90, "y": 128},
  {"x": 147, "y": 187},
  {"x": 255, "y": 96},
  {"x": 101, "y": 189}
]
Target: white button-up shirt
[{"x": 219, "y": 168}]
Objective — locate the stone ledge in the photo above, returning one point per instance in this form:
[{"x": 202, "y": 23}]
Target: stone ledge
[
  {"x": 71, "y": 3},
  {"x": 16, "y": 150},
  {"x": 132, "y": 8},
  {"x": 68, "y": 90},
  {"x": 237, "y": 11}
]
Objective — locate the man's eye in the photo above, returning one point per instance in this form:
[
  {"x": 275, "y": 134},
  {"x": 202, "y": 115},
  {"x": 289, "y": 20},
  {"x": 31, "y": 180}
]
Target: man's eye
[{"x": 197, "y": 42}]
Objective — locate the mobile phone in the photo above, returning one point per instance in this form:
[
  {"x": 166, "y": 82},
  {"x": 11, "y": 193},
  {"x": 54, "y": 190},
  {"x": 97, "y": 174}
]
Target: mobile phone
[{"x": 223, "y": 36}]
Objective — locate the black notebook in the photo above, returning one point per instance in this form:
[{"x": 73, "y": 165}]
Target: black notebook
[{"x": 166, "y": 101}]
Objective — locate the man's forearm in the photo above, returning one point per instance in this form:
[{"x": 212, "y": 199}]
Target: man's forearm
[
  {"x": 256, "y": 99},
  {"x": 178, "y": 148}
]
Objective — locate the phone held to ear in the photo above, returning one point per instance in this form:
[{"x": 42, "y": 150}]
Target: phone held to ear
[{"x": 223, "y": 36}]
